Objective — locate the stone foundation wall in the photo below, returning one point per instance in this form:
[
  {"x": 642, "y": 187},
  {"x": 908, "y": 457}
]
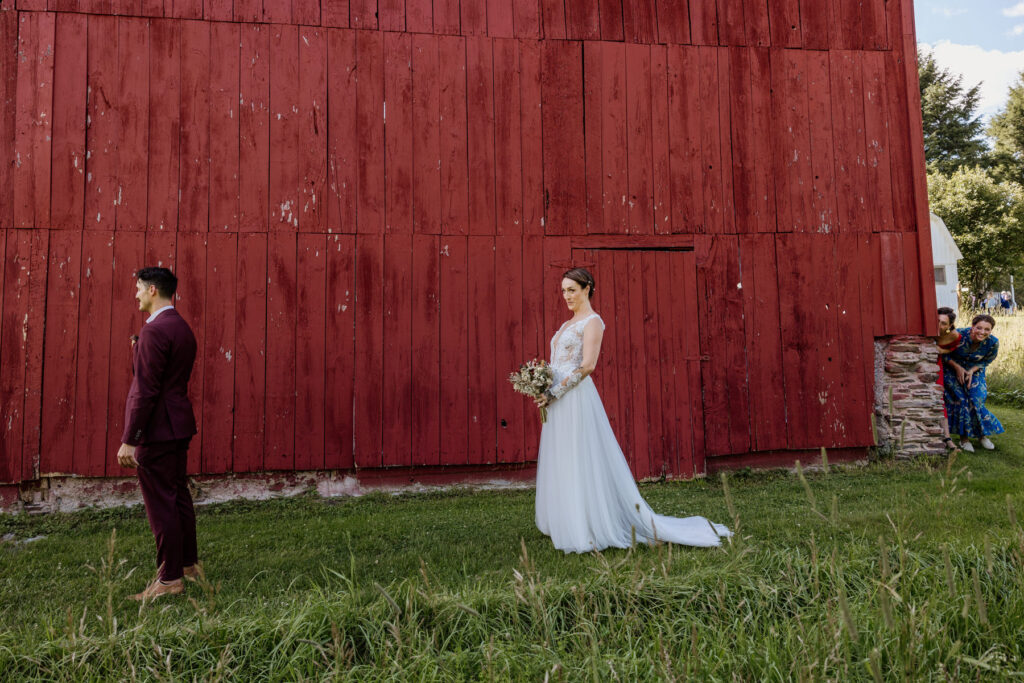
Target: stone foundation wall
[{"x": 908, "y": 399}]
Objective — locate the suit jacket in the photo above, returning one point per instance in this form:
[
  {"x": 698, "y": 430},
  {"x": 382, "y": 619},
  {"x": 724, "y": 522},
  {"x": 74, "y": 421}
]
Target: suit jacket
[{"x": 158, "y": 408}]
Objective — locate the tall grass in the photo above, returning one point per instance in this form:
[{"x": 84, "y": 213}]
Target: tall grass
[
  {"x": 849, "y": 601},
  {"x": 1006, "y": 375},
  {"x": 900, "y": 612}
]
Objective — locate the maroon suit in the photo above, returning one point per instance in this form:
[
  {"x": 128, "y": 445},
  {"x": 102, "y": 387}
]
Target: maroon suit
[{"x": 159, "y": 421}]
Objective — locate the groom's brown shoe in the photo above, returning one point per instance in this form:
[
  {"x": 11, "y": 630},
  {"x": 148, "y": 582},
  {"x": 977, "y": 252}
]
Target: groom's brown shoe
[
  {"x": 159, "y": 589},
  {"x": 191, "y": 571}
]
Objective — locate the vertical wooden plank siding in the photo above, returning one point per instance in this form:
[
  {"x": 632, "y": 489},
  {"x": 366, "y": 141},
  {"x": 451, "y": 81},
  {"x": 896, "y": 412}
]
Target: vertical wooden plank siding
[
  {"x": 61, "y": 352},
  {"x": 339, "y": 357},
  {"x": 254, "y": 129},
  {"x": 251, "y": 352},
  {"x": 425, "y": 425},
  {"x": 67, "y": 202},
  {"x": 225, "y": 133},
  {"x": 508, "y": 161},
  {"x": 704, "y": 22},
  {"x": 164, "y": 124},
  {"x": 128, "y": 194},
  {"x": 312, "y": 107},
  {"x": 285, "y": 210},
  {"x": 876, "y": 131},
  {"x": 482, "y": 386},
  {"x": 508, "y": 349},
  {"x": 562, "y": 112},
  {"x": 662, "y": 206},
  {"x": 394, "y": 189},
  {"x": 34, "y": 120},
  {"x": 191, "y": 263},
  {"x": 311, "y": 352},
  {"x": 342, "y": 135},
  {"x": 370, "y": 124},
  {"x": 398, "y": 133},
  {"x": 763, "y": 329},
  {"x": 93, "y": 367},
  {"x": 533, "y": 155},
  {"x": 614, "y": 169},
  {"x": 194, "y": 165},
  {"x": 639, "y": 141},
  {"x": 103, "y": 128},
  {"x": 454, "y": 152},
  {"x": 282, "y": 302},
  {"x": 454, "y": 318},
  {"x": 501, "y": 19},
  {"x": 824, "y": 169},
  {"x": 480, "y": 119},
  {"x": 673, "y": 22},
  {"x": 12, "y": 351},
  {"x": 369, "y": 345},
  {"x": 592, "y": 96},
  {"x": 396, "y": 399},
  {"x": 685, "y": 141},
  {"x": 426, "y": 143},
  {"x": 8, "y": 114},
  {"x": 848, "y": 117},
  {"x": 125, "y": 320},
  {"x": 219, "y": 353}
]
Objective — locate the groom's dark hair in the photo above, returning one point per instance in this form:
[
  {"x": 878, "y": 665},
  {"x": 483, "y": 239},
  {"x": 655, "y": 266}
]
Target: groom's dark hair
[
  {"x": 161, "y": 278},
  {"x": 583, "y": 278}
]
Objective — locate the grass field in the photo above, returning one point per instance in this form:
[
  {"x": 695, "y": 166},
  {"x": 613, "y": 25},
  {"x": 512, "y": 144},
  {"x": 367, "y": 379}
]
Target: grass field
[
  {"x": 1006, "y": 376},
  {"x": 889, "y": 572}
]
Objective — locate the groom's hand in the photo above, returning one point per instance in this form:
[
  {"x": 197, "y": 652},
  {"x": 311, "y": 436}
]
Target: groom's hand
[{"x": 126, "y": 456}]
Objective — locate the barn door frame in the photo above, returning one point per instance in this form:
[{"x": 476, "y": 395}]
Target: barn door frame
[{"x": 679, "y": 412}]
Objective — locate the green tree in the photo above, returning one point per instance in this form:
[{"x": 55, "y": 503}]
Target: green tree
[
  {"x": 986, "y": 218},
  {"x": 1007, "y": 132},
  {"x": 952, "y": 127}
]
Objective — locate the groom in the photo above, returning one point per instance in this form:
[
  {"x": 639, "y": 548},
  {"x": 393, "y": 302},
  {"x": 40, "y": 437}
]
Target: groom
[{"x": 158, "y": 425}]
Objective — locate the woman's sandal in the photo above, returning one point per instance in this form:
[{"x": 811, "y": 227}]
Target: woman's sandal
[{"x": 950, "y": 444}]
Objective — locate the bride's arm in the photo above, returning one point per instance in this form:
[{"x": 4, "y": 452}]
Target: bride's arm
[{"x": 593, "y": 334}]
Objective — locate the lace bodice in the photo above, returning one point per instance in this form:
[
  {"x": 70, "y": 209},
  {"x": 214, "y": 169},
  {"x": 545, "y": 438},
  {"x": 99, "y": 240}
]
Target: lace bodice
[{"x": 567, "y": 346}]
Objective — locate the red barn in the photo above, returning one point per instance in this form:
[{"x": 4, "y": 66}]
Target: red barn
[{"x": 369, "y": 204}]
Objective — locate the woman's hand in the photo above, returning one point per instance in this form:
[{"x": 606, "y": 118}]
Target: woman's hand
[
  {"x": 542, "y": 401},
  {"x": 961, "y": 374}
]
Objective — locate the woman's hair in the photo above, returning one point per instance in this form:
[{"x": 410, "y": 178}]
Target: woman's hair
[
  {"x": 983, "y": 318},
  {"x": 949, "y": 313},
  {"x": 582, "y": 277}
]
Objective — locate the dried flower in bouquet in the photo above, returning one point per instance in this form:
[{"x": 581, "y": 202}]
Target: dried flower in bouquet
[{"x": 532, "y": 379}]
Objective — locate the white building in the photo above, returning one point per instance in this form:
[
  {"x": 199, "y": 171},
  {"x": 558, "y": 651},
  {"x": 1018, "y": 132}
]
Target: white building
[{"x": 945, "y": 254}]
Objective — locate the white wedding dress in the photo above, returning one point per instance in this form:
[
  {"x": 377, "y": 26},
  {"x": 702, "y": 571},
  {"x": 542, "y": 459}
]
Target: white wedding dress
[{"x": 586, "y": 496}]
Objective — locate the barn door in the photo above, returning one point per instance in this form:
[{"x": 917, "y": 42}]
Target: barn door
[{"x": 649, "y": 370}]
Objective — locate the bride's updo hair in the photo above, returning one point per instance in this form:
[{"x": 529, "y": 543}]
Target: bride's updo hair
[{"x": 583, "y": 278}]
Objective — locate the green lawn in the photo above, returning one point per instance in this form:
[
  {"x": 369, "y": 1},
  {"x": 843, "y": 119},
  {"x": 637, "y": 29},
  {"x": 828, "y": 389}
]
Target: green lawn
[{"x": 905, "y": 572}]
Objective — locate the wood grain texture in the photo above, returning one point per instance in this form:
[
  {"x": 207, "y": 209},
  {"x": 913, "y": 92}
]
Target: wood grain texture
[
  {"x": 60, "y": 352},
  {"x": 33, "y": 120},
  {"x": 67, "y": 172}
]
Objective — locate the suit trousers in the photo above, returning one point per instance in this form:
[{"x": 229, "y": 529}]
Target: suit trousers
[{"x": 164, "y": 484}]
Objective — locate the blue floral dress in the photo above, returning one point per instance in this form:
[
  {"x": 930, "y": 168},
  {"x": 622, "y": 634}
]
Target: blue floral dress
[{"x": 965, "y": 407}]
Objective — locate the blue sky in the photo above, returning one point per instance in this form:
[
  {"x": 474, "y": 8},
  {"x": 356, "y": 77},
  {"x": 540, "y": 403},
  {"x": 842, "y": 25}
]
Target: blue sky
[{"x": 983, "y": 40}]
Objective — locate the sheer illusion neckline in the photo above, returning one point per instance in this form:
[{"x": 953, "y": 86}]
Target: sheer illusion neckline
[{"x": 567, "y": 324}]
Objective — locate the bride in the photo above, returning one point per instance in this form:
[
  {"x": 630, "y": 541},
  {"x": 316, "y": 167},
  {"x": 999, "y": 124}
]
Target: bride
[{"x": 586, "y": 496}]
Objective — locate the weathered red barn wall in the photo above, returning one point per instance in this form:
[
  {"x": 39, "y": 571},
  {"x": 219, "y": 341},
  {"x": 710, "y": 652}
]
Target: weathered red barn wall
[{"x": 369, "y": 205}]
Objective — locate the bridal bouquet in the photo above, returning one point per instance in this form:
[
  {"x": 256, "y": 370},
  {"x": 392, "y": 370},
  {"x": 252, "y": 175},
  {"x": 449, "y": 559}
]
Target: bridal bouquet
[{"x": 532, "y": 379}]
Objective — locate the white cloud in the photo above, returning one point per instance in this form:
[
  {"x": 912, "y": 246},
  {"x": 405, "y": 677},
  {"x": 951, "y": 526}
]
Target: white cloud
[
  {"x": 1017, "y": 30},
  {"x": 1015, "y": 11},
  {"x": 949, "y": 12},
  {"x": 996, "y": 70}
]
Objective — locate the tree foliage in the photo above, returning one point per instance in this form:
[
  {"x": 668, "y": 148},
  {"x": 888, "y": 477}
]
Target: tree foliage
[
  {"x": 953, "y": 130},
  {"x": 986, "y": 218},
  {"x": 1007, "y": 132}
]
